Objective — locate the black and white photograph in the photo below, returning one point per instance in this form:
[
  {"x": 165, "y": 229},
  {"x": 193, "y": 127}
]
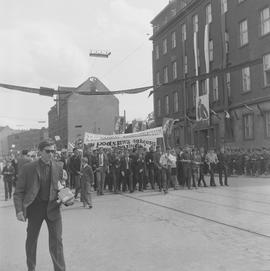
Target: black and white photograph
[{"x": 135, "y": 135}]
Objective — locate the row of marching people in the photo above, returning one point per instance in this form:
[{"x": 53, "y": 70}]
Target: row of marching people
[{"x": 121, "y": 170}]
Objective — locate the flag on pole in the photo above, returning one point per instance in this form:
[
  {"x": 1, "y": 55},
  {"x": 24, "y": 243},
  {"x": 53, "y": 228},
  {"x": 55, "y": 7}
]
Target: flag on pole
[{"x": 119, "y": 125}]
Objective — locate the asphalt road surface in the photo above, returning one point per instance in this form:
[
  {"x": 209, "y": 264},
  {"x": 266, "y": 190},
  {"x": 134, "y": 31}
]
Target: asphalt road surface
[{"x": 220, "y": 228}]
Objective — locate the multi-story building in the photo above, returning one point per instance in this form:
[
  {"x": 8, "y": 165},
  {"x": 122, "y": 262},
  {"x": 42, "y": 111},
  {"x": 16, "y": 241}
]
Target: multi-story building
[
  {"x": 75, "y": 114},
  {"x": 233, "y": 37},
  {"x": 27, "y": 140},
  {"x": 4, "y": 133}
]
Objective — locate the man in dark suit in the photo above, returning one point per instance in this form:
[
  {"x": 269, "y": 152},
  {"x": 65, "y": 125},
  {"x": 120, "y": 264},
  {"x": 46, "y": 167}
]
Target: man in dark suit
[
  {"x": 75, "y": 167},
  {"x": 101, "y": 171},
  {"x": 87, "y": 180},
  {"x": 35, "y": 199},
  {"x": 126, "y": 166}
]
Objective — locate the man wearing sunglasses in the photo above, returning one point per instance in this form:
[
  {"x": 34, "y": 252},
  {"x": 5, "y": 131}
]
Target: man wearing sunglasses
[{"x": 35, "y": 199}]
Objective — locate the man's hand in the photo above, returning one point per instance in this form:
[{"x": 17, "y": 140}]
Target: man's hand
[{"x": 21, "y": 217}]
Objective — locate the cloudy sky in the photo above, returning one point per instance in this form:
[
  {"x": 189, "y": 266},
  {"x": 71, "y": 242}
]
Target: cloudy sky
[{"x": 47, "y": 43}]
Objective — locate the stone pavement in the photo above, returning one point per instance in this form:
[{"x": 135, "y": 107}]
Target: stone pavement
[{"x": 221, "y": 228}]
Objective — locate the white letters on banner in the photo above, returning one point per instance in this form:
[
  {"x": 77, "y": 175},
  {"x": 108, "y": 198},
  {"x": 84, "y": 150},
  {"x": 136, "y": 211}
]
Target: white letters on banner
[{"x": 144, "y": 138}]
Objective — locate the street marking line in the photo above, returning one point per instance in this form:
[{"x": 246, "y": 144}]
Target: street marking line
[
  {"x": 226, "y": 196},
  {"x": 220, "y": 204},
  {"x": 198, "y": 216}
]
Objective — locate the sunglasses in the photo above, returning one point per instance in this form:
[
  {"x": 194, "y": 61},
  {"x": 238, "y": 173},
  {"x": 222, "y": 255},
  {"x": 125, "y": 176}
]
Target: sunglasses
[{"x": 49, "y": 151}]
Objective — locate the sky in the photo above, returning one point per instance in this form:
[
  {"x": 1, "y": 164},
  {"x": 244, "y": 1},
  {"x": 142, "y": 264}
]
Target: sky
[{"x": 47, "y": 43}]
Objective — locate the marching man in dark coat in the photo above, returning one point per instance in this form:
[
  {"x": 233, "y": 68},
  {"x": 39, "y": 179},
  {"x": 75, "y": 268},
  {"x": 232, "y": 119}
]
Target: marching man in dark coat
[
  {"x": 87, "y": 180},
  {"x": 9, "y": 174},
  {"x": 35, "y": 199}
]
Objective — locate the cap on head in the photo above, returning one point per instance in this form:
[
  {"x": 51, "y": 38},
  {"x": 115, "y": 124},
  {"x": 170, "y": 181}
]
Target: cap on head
[{"x": 44, "y": 144}]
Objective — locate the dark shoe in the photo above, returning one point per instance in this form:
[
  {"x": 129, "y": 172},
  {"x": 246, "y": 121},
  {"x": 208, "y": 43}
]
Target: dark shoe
[
  {"x": 226, "y": 184},
  {"x": 90, "y": 207}
]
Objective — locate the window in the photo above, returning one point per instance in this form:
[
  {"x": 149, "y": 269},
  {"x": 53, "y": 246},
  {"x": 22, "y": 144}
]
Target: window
[
  {"x": 165, "y": 74},
  {"x": 267, "y": 123},
  {"x": 195, "y": 23},
  {"x": 224, "y": 6},
  {"x": 157, "y": 51},
  {"x": 184, "y": 32},
  {"x": 208, "y": 14},
  {"x": 204, "y": 88},
  {"x": 248, "y": 121},
  {"x": 246, "y": 79},
  {"x": 266, "y": 69},
  {"x": 157, "y": 78},
  {"x": 215, "y": 88},
  {"x": 228, "y": 83},
  {"x": 175, "y": 102},
  {"x": 194, "y": 94},
  {"x": 158, "y": 107},
  {"x": 173, "y": 40},
  {"x": 174, "y": 69},
  {"x": 166, "y": 105},
  {"x": 226, "y": 42},
  {"x": 243, "y": 33},
  {"x": 240, "y": 1},
  {"x": 211, "y": 50},
  {"x": 165, "y": 47},
  {"x": 185, "y": 65},
  {"x": 265, "y": 21}
]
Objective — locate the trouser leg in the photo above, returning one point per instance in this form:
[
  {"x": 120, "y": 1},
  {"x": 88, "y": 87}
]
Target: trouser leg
[
  {"x": 220, "y": 170},
  {"x": 152, "y": 177},
  {"x": 9, "y": 188},
  {"x": 98, "y": 174},
  {"x": 103, "y": 176},
  {"x": 164, "y": 180},
  {"x": 130, "y": 181},
  {"x": 36, "y": 214},
  {"x": 6, "y": 189},
  {"x": 77, "y": 183},
  {"x": 225, "y": 175},
  {"x": 55, "y": 244}
]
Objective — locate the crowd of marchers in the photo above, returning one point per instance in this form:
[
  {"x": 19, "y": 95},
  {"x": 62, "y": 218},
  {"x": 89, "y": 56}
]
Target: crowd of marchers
[{"x": 126, "y": 170}]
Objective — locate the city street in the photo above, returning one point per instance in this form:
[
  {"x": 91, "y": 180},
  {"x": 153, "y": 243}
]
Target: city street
[{"x": 220, "y": 228}]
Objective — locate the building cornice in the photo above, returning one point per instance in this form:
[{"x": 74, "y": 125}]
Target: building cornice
[{"x": 178, "y": 17}]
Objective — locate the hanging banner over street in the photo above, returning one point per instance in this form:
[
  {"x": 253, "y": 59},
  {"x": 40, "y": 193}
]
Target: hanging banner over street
[{"x": 145, "y": 138}]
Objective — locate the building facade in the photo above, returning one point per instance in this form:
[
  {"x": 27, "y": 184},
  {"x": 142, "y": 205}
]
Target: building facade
[
  {"x": 237, "y": 49},
  {"x": 75, "y": 114},
  {"x": 4, "y": 146},
  {"x": 26, "y": 140}
]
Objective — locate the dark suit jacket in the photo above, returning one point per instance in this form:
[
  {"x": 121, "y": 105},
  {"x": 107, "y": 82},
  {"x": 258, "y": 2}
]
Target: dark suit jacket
[
  {"x": 123, "y": 164},
  {"x": 28, "y": 186},
  {"x": 87, "y": 175}
]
